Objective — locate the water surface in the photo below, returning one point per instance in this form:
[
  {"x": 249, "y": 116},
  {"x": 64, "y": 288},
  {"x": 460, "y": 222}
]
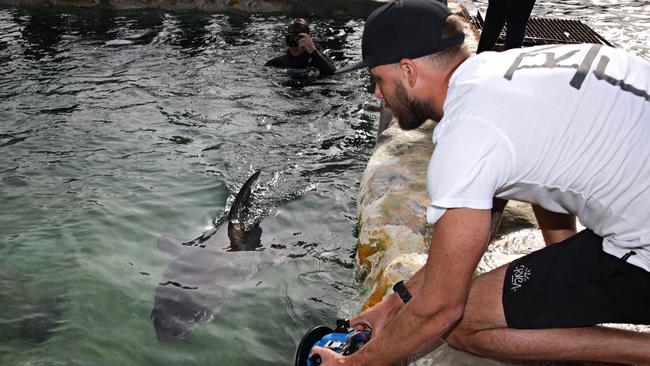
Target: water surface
[{"x": 121, "y": 126}]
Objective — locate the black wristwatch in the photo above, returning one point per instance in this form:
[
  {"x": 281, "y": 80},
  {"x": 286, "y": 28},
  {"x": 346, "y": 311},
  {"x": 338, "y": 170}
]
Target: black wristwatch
[{"x": 400, "y": 289}]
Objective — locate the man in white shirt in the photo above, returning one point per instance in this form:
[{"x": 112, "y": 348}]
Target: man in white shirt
[{"x": 565, "y": 128}]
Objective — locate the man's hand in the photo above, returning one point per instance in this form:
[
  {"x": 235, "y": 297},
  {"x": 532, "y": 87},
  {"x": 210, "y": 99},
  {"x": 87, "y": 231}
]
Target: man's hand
[
  {"x": 377, "y": 316},
  {"x": 307, "y": 43},
  {"x": 329, "y": 357},
  {"x": 439, "y": 291}
]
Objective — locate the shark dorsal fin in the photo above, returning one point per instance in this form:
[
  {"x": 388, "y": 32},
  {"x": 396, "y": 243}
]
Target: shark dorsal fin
[
  {"x": 242, "y": 199},
  {"x": 239, "y": 207}
]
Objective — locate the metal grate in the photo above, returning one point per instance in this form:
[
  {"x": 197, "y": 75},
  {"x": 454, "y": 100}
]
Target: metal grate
[{"x": 541, "y": 31}]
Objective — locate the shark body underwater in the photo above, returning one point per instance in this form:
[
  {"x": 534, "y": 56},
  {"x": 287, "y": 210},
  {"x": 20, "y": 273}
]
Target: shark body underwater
[{"x": 205, "y": 270}]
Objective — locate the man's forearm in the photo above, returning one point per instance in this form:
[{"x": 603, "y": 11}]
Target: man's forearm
[
  {"x": 378, "y": 316},
  {"x": 413, "y": 332},
  {"x": 439, "y": 290},
  {"x": 413, "y": 329},
  {"x": 414, "y": 284}
]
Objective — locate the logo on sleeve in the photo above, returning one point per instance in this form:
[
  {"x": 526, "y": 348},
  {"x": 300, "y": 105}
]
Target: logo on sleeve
[{"x": 520, "y": 275}]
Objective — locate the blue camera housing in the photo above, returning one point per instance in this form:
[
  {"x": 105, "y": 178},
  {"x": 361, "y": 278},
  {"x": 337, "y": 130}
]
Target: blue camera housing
[
  {"x": 343, "y": 343},
  {"x": 344, "y": 340}
]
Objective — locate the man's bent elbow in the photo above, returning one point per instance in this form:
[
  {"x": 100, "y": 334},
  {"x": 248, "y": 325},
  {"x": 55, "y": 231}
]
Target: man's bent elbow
[
  {"x": 443, "y": 316},
  {"x": 451, "y": 316}
]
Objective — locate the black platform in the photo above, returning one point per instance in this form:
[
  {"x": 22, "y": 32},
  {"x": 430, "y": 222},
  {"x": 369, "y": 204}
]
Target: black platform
[{"x": 541, "y": 31}]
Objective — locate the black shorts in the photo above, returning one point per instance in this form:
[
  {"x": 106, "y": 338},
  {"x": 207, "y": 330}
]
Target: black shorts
[{"x": 574, "y": 283}]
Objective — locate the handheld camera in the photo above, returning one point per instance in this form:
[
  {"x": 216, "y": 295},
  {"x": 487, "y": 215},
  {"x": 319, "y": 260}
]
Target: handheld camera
[
  {"x": 292, "y": 39},
  {"x": 344, "y": 340}
]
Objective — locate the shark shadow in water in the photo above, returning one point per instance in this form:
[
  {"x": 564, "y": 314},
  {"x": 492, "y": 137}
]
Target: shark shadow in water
[{"x": 205, "y": 270}]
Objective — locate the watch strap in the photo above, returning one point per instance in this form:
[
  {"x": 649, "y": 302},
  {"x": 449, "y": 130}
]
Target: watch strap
[{"x": 401, "y": 291}]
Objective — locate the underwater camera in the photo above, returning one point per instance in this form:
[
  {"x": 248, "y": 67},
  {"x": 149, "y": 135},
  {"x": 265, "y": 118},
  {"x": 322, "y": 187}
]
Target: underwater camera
[
  {"x": 292, "y": 39},
  {"x": 344, "y": 340}
]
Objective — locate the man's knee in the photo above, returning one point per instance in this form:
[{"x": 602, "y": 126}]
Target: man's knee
[
  {"x": 461, "y": 338},
  {"x": 483, "y": 311},
  {"x": 454, "y": 339}
]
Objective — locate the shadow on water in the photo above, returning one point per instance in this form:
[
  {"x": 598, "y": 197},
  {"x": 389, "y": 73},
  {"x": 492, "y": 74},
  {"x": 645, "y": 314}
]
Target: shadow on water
[
  {"x": 191, "y": 32},
  {"x": 236, "y": 29},
  {"x": 27, "y": 320},
  {"x": 43, "y": 30}
]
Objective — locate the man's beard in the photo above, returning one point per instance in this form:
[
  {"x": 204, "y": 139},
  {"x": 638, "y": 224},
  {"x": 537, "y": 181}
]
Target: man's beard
[{"x": 411, "y": 113}]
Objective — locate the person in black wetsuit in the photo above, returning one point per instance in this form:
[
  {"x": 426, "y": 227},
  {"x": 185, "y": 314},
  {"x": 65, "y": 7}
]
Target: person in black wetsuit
[
  {"x": 515, "y": 13},
  {"x": 301, "y": 52}
]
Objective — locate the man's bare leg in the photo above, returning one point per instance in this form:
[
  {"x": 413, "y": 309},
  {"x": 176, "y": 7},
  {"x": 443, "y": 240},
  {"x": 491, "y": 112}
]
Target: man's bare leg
[{"x": 483, "y": 331}]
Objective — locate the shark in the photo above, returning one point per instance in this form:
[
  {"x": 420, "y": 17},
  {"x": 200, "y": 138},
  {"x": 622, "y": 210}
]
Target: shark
[{"x": 206, "y": 270}]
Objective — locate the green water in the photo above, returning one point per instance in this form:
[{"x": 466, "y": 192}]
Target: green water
[{"x": 104, "y": 149}]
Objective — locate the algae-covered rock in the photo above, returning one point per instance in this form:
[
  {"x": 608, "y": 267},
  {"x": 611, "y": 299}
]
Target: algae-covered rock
[{"x": 393, "y": 232}]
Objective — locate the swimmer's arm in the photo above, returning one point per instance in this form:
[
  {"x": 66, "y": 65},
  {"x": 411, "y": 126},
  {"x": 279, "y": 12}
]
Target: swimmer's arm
[
  {"x": 323, "y": 63},
  {"x": 279, "y": 61}
]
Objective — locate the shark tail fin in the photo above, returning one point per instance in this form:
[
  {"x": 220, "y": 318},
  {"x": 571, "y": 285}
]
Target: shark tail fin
[{"x": 239, "y": 209}]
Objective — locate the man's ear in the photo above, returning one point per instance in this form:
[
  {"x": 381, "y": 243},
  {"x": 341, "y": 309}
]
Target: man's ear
[{"x": 409, "y": 71}]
